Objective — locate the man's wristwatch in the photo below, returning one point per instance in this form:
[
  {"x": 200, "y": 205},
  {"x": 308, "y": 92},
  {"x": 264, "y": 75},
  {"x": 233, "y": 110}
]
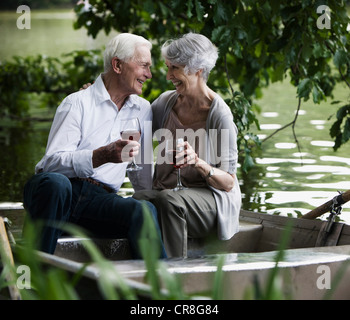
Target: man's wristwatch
[{"x": 211, "y": 172}]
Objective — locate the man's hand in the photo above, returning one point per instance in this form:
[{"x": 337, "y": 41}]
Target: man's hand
[{"x": 115, "y": 152}]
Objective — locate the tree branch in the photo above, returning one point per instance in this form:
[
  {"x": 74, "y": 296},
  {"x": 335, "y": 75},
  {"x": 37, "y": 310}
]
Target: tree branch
[
  {"x": 228, "y": 77},
  {"x": 292, "y": 123}
]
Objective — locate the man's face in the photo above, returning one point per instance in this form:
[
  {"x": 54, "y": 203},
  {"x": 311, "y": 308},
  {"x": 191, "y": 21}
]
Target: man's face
[{"x": 136, "y": 71}]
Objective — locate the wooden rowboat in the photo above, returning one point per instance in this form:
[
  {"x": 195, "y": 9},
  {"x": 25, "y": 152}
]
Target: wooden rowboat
[{"x": 317, "y": 252}]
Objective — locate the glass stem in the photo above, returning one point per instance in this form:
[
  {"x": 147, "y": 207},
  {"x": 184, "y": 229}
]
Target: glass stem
[{"x": 179, "y": 184}]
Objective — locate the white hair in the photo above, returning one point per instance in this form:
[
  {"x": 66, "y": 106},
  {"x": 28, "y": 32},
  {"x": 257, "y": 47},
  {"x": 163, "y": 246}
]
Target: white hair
[
  {"x": 193, "y": 51},
  {"x": 123, "y": 46}
]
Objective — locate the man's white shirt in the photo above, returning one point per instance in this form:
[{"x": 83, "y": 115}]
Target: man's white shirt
[{"x": 89, "y": 119}]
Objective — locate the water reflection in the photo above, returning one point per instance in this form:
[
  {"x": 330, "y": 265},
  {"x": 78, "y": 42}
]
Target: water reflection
[
  {"x": 335, "y": 159},
  {"x": 22, "y": 146},
  {"x": 320, "y": 168},
  {"x": 291, "y": 201},
  {"x": 322, "y": 143},
  {"x": 315, "y": 177},
  {"x": 294, "y": 186},
  {"x": 282, "y": 160},
  {"x": 319, "y": 124},
  {"x": 285, "y": 145},
  {"x": 273, "y": 175},
  {"x": 342, "y": 185},
  {"x": 272, "y": 126},
  {"x": 269, "y": 114}
]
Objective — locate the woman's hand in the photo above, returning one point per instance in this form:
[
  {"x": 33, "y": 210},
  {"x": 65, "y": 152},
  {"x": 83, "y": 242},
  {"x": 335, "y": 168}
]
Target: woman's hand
[
  {"x": 220, "y": 179},
  {"x": 187, "y": 157}
]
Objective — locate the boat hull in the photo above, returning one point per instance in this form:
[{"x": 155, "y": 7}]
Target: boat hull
[{"x": 305, "y": 271}]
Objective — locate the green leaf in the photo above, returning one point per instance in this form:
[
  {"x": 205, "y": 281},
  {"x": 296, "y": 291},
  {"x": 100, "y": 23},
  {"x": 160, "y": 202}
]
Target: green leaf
[
  {"x": 335, "y": 129},
  {"x": 340, "y": 58},
  {"x": 317, "y": 93},
  {"x": 189, "y": 6},
  {"x": 304, "y": 88},
  {"x": 219, "y": 13},
  {"x": 346, "y": 132},
  {"x": 248, "y": 163},
  {"x": 343, "y": 112},
  {"x": 215, "y": 35},
  {"x": 199, "y": 10},
  {"x": 258, "y": 49},
  {"x": 278, "y": 72}
]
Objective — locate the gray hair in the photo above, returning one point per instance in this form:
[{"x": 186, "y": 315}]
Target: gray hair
[
  {"x": 193, "y": 51},
  {"x": 123, "y": 46}
]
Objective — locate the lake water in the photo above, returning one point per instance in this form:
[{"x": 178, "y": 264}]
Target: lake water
[
  {"x": 51, "y": 33},
  {"x": 288, "y": 179},
  {"x": 284, "y": 180}
]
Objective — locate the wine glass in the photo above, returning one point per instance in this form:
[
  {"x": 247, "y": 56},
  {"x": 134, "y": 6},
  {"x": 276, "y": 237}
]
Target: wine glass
[
  {"x": 171, "y": 152},
  {"x": 131, "y": 130}
]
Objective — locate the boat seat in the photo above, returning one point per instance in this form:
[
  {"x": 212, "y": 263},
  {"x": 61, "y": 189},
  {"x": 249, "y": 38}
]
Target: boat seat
[
  {"x": 245, "y": 240},
  {"x": 73, "y": 249}
]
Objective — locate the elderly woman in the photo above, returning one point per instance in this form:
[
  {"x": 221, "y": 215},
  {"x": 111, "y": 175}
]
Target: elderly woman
[{"x": 212, "y": 199}]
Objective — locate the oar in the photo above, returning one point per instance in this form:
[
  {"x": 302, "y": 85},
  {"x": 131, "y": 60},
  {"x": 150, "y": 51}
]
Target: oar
[
  {"x": 326, "y": 207},
  {"x": 6, "y": 257}
]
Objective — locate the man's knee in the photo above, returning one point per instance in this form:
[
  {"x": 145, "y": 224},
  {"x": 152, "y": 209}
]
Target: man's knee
[
  {"x": 48, "y": 182},
  {"x": 46, "y": 191},
  {"x": 55, "y": 182}
]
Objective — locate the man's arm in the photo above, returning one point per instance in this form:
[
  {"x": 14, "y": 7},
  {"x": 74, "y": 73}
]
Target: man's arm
[{"x": 61, "y": 152}]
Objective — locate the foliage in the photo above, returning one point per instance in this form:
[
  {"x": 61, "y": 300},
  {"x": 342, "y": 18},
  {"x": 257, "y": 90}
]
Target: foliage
[
  {"x": 259, "y": 41},
  {"x": 50, "y": 78},
  {"x": 341, "y": 132}
]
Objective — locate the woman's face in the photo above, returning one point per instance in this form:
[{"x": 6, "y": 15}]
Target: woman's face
[{"x": 184, "y": 83}]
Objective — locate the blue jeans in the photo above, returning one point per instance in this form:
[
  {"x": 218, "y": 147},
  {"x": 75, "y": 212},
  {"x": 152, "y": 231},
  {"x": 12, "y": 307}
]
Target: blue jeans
[{"x": 53, "y": 197}]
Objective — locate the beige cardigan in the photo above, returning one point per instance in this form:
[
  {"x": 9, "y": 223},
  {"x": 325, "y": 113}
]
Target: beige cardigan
[{"x": 219, "y": 124}]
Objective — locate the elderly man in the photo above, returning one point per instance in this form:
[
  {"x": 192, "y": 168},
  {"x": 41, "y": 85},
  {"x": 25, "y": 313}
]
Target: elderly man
[{"x": 86, "y": 158}]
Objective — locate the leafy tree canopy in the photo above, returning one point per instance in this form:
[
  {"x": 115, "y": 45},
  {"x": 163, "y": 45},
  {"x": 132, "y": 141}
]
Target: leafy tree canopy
[{"x": 259, "y": 42}]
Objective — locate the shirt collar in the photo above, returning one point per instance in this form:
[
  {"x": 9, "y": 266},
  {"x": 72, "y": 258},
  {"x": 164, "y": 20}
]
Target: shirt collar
[
  {"x": 132, "y": 102},
  {"x": 102, "y": 95}
]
